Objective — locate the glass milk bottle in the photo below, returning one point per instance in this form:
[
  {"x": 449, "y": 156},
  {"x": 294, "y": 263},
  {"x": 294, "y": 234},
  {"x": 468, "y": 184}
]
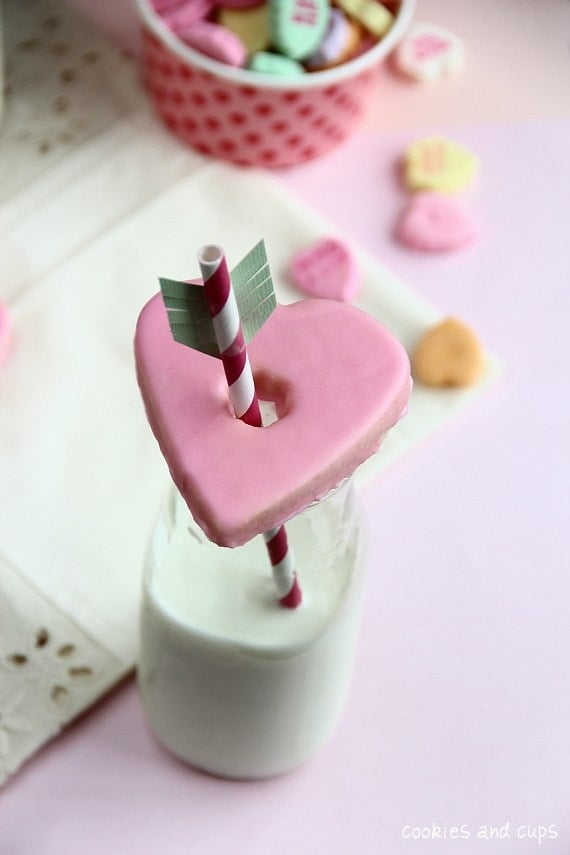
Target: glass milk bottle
[{"x": 232, "y": 682}]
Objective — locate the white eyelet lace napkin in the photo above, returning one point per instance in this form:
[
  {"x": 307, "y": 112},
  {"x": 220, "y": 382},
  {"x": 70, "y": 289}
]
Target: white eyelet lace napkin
[
  {"x": 81, "y": 478},
  {"x": 64, "y": 84}
]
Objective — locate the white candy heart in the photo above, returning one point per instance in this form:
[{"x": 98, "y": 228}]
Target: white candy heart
[{"x": 429, "y": 52}]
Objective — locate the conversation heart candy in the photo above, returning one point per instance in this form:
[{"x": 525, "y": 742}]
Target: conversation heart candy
[
  {"x": 275, "y": 63},
  {"x": 216, "y": 42},
  {"x": 428, "y": 52},
  {"x": 449, "y": 354},
  {"x": 438, "y": 163},
  {"x": 326, "y": 269},
  {"x": 435, "y": 222},
  {"x": 338, "y": 378},
  {"x": 185, "y": 14},
  {"x": 6, "y": 335},
  {"x": 249, "y": 25},
  {"x": 297, "y": 27},
  {"x": 375, "y": 17},
  {"x": 339, "y": 43}
]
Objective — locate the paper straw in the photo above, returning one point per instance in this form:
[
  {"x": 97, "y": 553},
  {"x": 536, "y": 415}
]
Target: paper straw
[
  {"x": 283, "y": 564},
  {"x": 229, "y": 337}
]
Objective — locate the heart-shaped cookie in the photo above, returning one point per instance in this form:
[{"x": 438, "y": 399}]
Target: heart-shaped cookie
[
  {"x": 339, "y": 380},
  {"x": 435, "y": 222},
  {"x": 449, "y": 354}
]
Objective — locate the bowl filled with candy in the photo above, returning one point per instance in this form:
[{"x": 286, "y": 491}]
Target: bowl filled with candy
[{"x": 266, "y": 82}]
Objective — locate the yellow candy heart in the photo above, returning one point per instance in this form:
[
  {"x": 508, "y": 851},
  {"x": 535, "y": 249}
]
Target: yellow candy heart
[
  {"x": 373, "y": 16},
  {"x": 437, "y": 163},
  {"x": 250, "y": 25}
]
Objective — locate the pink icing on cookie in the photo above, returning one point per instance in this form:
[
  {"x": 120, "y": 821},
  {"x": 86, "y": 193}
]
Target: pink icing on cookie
[
  {"x": 6, "y": 335},
  {"x": 339, "y": 379},
  {"x": 436, "y": 222},
  {"x": 326, "y": 269}
]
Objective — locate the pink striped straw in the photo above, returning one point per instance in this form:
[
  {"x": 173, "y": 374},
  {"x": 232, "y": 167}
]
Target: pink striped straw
[{"x": 229, "y": 337}]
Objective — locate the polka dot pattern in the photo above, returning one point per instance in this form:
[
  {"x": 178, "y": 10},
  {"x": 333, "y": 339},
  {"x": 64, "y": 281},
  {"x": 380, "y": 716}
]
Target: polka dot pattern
[{"x": 250, "y": 124}]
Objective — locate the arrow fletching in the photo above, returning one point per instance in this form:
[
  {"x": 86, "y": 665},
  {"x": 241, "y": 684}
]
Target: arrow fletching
[
  {"x": 188, "y": 315},
  {"x": 253, "y": 287},
  {"x": 187, "y": 309}
]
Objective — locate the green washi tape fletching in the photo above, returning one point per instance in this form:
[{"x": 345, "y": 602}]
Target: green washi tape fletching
[{"x": 188, "y": 313}]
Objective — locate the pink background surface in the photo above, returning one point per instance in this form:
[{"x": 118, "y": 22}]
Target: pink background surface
[{"x": 460, "y": 704}]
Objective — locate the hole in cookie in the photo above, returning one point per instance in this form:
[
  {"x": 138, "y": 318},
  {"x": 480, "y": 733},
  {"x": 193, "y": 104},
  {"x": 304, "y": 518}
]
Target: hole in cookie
[
  {"x": 274, "y": 394},
  {"x": 268, "y": 412}
]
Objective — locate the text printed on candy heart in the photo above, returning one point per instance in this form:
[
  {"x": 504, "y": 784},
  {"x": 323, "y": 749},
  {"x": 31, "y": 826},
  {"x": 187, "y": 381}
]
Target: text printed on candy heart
[
  {"x": 305, "y": 12},
  {"x": 428, "y": 46}
]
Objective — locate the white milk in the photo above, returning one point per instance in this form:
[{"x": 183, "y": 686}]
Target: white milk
[{"x": 231, "y": 681}]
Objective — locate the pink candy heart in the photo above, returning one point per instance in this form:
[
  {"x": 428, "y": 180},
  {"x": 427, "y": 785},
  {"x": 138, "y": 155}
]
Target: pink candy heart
[
  {"x": 339, "y": 380},
  {"x": 183, "y": 15},
  {"x": 436, "y": 222},
  {"x": 215, "y": 41},
  {"x": 327, "y": 269}
]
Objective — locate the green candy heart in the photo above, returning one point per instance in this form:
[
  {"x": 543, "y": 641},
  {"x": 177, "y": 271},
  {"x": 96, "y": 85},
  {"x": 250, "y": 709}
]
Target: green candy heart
[
  {"x": 297, "y": 27},
  {"x": 275, "y": 63}
]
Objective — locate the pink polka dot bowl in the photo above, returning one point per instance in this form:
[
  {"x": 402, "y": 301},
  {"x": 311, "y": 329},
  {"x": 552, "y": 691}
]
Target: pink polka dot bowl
[{"x": 253, "y": 118}]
